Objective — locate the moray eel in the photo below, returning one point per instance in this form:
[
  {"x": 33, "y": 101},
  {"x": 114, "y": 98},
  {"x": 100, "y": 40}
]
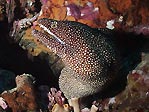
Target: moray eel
[{"x": 90, "y": 56}]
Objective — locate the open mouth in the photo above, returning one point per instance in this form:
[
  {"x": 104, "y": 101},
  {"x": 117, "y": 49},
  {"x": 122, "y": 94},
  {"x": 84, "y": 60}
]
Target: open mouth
[{"x": 50, "y": 33}]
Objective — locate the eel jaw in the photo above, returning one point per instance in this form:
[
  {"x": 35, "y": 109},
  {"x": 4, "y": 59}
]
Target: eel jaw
[{"x": 49, "y": 32}]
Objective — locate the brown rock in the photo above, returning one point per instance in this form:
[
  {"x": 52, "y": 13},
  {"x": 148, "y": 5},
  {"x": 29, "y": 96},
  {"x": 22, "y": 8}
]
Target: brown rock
[
  {"x": 21, "y": 98},
  {"x": 120, "y": 6}
]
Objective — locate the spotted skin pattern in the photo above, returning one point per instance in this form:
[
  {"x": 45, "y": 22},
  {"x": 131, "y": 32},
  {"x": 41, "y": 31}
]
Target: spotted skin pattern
[{"x": 89, "y": 55}]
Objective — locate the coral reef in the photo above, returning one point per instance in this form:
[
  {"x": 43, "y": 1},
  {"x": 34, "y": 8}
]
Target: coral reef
[
  {"x": 96, "y": 13},
  {"x": 135, "y": 93},
  {"x": 19, "y": 17},
  {"x": 19, "y": 9},
  {"x": 93, "y": 13}
]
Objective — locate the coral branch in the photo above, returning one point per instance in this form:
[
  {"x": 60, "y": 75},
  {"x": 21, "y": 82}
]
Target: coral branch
[
  {"x": 3, "y": 103},
  {"x": 74, "y": 102}
]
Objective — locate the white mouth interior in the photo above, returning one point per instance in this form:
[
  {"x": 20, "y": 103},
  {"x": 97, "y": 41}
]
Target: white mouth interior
[{"x": 49, "y": 32}]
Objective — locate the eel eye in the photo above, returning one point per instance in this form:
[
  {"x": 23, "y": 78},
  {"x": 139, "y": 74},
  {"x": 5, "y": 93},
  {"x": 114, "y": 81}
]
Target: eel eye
[{"x": 54, "y": 24}]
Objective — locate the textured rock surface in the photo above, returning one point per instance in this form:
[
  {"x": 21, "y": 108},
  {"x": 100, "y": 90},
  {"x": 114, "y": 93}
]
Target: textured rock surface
[{"x": 22, "y": 97}]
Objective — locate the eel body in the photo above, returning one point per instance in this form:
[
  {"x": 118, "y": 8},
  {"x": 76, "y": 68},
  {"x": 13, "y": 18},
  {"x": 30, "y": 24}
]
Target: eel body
[{"x": 90, "y": 56}]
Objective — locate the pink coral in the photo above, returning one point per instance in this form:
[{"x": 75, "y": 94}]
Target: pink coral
[
  {"x": 88, "y": 11},
  {"x": 3, "y": 103},
  {"x": 55, "y": 97},
  {"x": 73, "y": 10},
  {"x": 44, "y": 1},
  {"x": 141, "y": 29}
]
